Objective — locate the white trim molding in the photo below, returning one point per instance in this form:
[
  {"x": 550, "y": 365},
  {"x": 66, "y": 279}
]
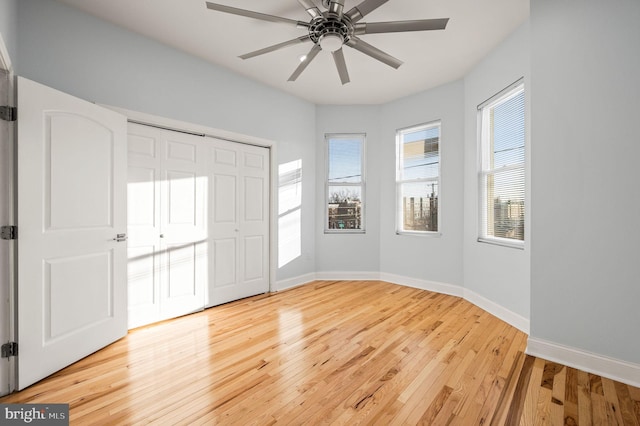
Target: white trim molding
[
  {"x": 348, "y": 276},
  {"x": 615, "y": 369},
  {"x": 288, "y": 283},
  {"x": 510, "y": 317},
  {"x": 450, "y": 289}
]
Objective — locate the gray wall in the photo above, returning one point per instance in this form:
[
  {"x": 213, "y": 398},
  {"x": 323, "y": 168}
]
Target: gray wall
[
  {"x": 87, "y": 57},
  {"x": 422, "y": 259},
  {"x": 349, "y": 252},
  {"x": 500, "y": 274},
  {"x": 8, "y": 26},
  {"x": 428, "y": 258},
  {"x": 585, "y": 261}
]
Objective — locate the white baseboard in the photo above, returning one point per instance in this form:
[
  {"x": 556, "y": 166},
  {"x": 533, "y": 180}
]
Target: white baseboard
[
  {"x": 450, "y": 289},
  {"x": 294, "y": 282},
  {"x": 510, "y": 317},
  {"x": 348, "y": 275},
  {"x": 611, "y": 368}
]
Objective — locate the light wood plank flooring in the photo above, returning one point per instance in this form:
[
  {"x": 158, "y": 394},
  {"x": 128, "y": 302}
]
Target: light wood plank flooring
[{"x": 339, "y": 352}]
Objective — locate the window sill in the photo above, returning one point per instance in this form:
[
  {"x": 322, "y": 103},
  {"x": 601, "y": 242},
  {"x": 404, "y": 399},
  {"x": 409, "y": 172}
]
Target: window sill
[
  {"x": 428, "y": 234},
  {"x": 503, "y": 242},
  {"x": 344, "y": 231}
]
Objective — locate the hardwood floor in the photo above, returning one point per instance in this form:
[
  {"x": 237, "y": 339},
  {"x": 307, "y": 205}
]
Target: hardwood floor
[{"x": 340, "y": 352}]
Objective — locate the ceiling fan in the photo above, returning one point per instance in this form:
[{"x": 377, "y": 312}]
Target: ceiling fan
[{"x": 334, "y": 28}]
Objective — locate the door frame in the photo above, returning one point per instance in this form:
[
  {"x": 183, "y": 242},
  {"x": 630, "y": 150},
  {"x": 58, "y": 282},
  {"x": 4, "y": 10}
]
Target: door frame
[
  {"x": 197, "y": 129},
  {"x": 8, "y": 378}
]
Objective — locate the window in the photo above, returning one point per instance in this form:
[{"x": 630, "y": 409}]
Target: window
[
  {"x": 418, "y": 178},
  {"x": 345, "y": 183},
  {"x": 502, "y": 137}
]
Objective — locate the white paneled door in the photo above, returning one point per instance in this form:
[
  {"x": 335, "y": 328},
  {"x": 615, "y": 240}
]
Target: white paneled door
[
  {"x": 167, "y": 223},
  {"x": 239, "y": 221},
  {"x": 72, "y": 256}
]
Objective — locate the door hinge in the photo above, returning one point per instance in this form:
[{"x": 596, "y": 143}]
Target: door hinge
[
  {"x": 9, "y": 349},
  {"x": 8, "y": 113},
  {"x": 9, "y": 232}
]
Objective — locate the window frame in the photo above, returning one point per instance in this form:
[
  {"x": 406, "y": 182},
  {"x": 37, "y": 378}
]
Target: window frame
[
  {"x": 362, "y": 184},
  {"x": 399, "y": 182},
  {"x": 485, "y": 156}
]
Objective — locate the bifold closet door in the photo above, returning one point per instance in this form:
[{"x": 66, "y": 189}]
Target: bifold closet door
[
  {"x": 167, "y": 222},
  {"x": 239, "y": 221}
]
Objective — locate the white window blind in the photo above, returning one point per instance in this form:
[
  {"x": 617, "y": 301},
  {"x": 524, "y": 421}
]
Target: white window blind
[
  {"x": 502, "y": 167},
  {"x": 418, "y": 178},
  {"x": 345, "y": 183}
]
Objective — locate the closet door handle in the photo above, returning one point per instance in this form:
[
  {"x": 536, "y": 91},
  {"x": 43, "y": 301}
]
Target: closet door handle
[
  {"x": 120, "y": 238},
  {"x": 161, "y": 235}
]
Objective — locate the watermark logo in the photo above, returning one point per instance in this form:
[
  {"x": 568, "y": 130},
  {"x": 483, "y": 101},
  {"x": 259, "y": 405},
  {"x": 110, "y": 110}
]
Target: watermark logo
[{"x": 34, "y": 414}]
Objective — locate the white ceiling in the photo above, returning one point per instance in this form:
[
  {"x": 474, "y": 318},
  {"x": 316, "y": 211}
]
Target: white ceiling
[{"x": 431, "y": 58}]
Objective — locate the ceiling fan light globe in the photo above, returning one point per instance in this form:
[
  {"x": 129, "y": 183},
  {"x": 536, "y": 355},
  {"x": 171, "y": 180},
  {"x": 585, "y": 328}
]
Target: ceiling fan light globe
[{"x": 331, "y": 42}]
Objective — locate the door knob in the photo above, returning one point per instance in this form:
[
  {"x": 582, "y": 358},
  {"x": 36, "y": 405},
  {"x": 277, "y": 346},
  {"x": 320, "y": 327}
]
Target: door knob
[
  {"x": 120, "y": 237},
  {"x": 161, "y": 235}
]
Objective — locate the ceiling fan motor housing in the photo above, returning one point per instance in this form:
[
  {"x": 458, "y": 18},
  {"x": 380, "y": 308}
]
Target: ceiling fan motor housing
[{"x": 330, "y": 32}]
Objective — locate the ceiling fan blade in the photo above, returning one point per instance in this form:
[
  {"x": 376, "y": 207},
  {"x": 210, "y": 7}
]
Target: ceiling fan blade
[
  {"x": 367, "y": 6},
  {"x": 338, "y": 57},
  {"x": 255, "y": 15},
  {"x": 303, "y": 65},
  {"x": 401, "y": 26},
  {"x": 311, "y": 8},
  {"x": 374, "y": 52},
  {"x": 275, "y": 47}
]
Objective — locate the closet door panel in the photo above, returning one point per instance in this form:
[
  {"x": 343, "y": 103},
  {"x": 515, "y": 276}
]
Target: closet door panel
[
  {"x": 181, "y": 278},
  {"x": 141, "y": 273},
  {"x": 141, "y": 196},
  {"x": 240, "y": 225},
  {"x": 254, "y": 199},
  {"x": 224, "y": 199},
  {"x": 143, "y": 225},
  {"x": 224, "y": 256},
  {"x": 201, "y": 219},
  {"x": 255, "y": 223},
  {"x": 182, "y": 192},
  {"x": 253, "y": 250},
  {"x": 184, "y": 228},
  {"x": 168, "y": 229}
]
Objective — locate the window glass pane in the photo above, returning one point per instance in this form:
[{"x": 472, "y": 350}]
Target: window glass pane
[
  {"x": 418, "y": 178},
  {"x": 345, "y": 182},
  {"x": 507, "y": 125},
  {"x": 420, "y": 154},
  {"x": 504, "y": 205},
  {"x": 345, "y": 160},
  {"x": 419, "y": 206},
  {"x": 345, "y": 207}
]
